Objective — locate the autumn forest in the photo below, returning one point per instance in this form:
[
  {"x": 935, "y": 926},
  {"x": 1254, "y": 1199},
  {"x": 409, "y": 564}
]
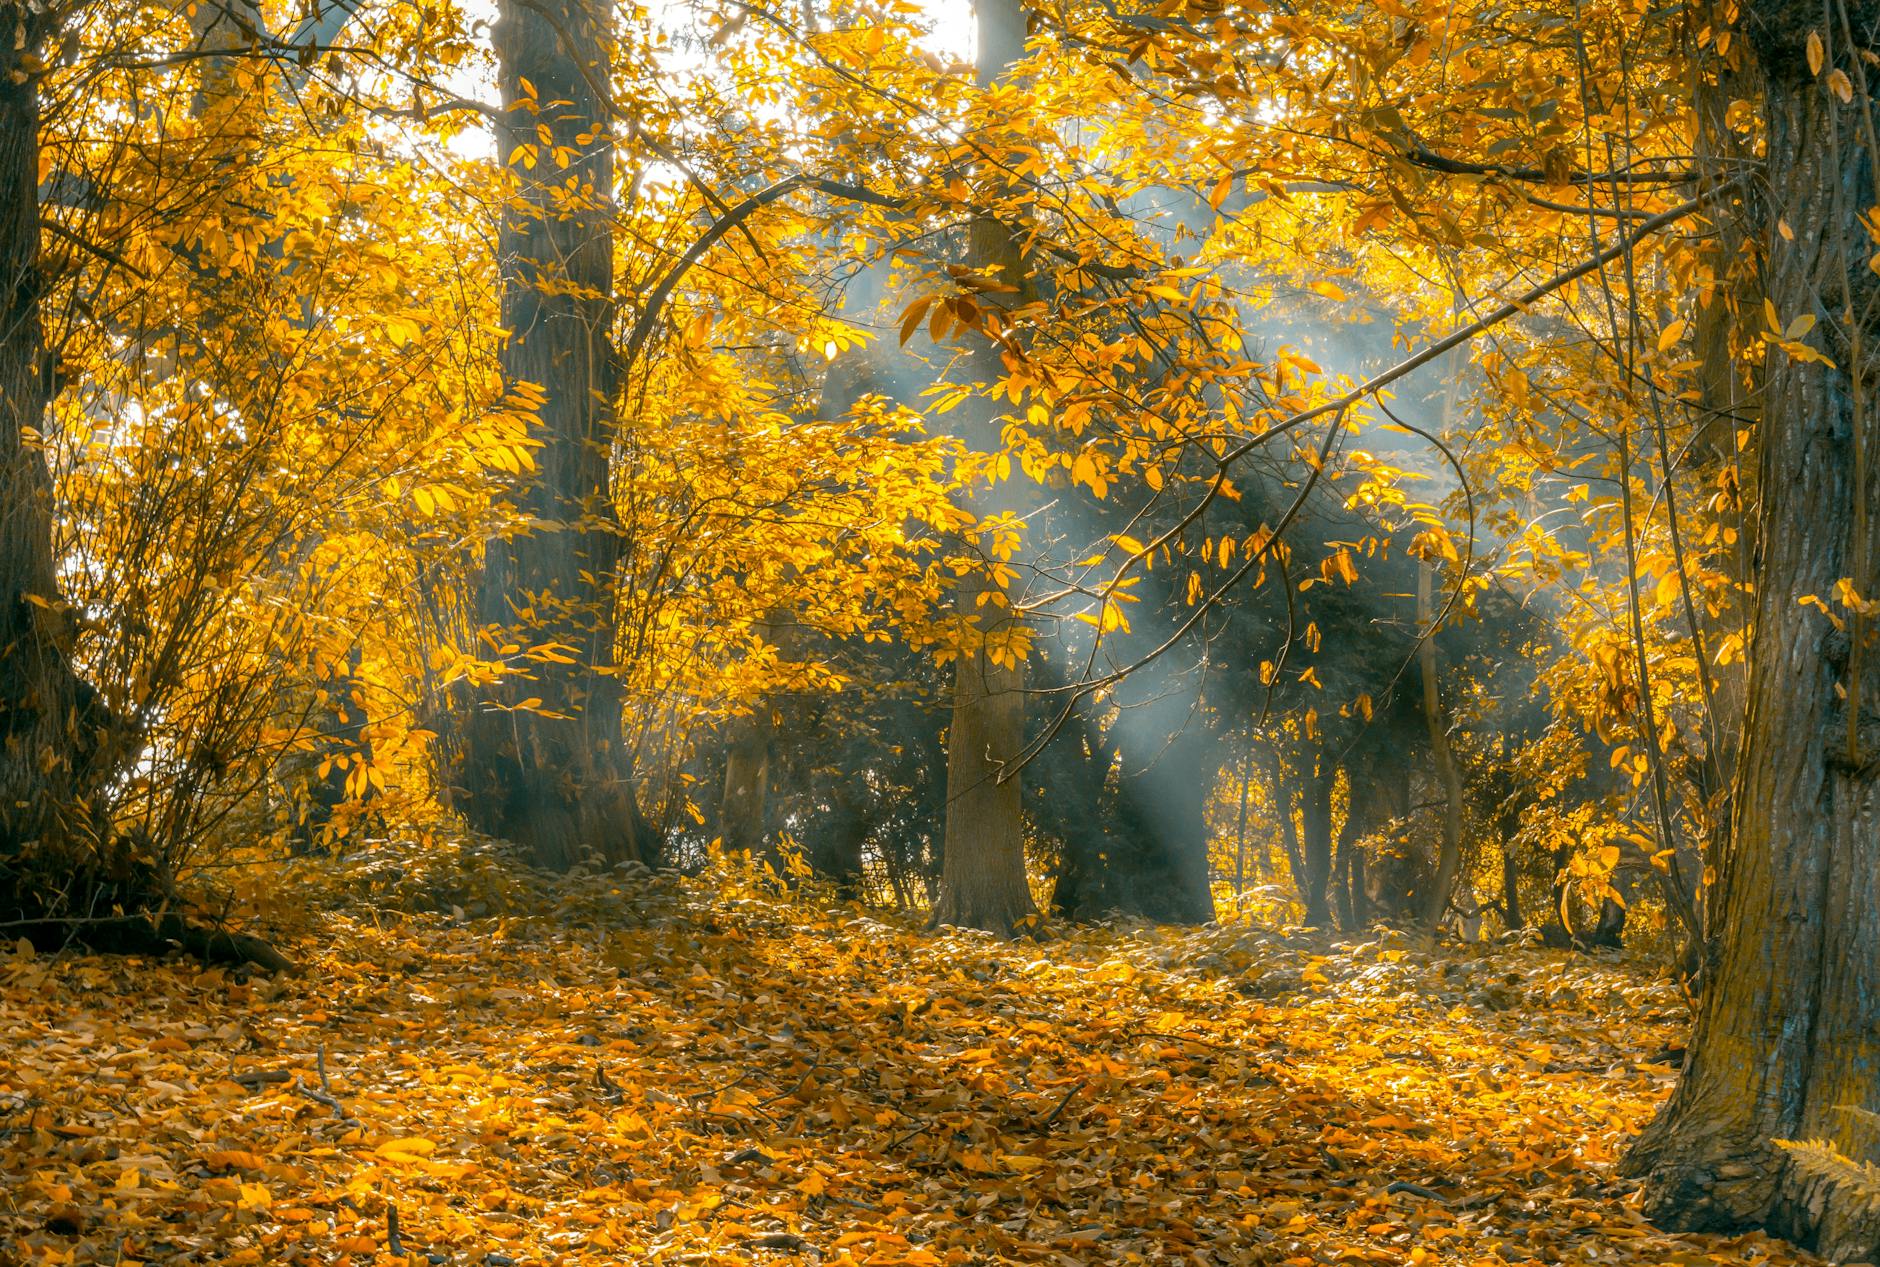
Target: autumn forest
[{"x": 939, "y": 632}]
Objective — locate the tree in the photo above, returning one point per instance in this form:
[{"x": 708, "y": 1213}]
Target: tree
[
  {"x": 545, "y": 762},
  {"x": 983, "y": 882},
  {"x": 45, "y": 834},
  {"x": 1786, "y": 1038}
]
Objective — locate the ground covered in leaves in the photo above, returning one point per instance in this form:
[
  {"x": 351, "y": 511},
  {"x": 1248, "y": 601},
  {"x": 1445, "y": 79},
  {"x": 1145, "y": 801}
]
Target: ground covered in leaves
[{"x": 695, "y": 1073}]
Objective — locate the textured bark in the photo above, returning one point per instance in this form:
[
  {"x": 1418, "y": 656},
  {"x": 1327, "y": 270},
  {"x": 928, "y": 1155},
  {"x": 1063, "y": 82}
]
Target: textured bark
[
  {"x": 743, "y": 810},
  {"x": 48, "y": 845},
  {"x": 1787, "y": 1042},
  {"x": 556, "y": 777},
  {"x": 63, "y": 876},
  {"x": 1435, "y": 718},
  {"x": 983, "y": 882},
  {"x": 1315, "y": 814}
]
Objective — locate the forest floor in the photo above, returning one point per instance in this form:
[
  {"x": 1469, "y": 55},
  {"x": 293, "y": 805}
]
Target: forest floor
[{"x": 697, "y": 1074}]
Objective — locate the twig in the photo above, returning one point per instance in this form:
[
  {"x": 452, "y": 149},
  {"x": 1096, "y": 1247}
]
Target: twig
[
  {"x": 321, "y": 1097},
  {"x": 319, "y": 1067},
  {"x": 926, "y": 1124},
  {"x": 255, "y": 1079},
  {"x": 84, "y": 243},
  {"x": 1178, "y": 1038},
  {"x": 814, "y": 1065},
  {"x": 1052, "y": 1117}
]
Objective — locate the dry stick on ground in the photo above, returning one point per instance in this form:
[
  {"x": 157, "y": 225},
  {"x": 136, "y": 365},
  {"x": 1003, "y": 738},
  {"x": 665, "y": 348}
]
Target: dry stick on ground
[
  {"x": 813, "y": 1067},
  {"x": 324, "y": 1095},
  {"x": 921, "y": 1128},
  {"x": 1052, "y": 1117}
]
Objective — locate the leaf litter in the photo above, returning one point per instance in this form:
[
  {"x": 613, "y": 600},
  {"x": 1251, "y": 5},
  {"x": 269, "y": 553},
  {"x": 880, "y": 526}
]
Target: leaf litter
[{"x": 696, "y": 1072}]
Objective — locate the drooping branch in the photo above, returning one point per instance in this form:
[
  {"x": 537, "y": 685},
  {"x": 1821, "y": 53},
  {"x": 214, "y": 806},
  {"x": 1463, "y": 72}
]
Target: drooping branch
[{"x": 734, "y": 218}]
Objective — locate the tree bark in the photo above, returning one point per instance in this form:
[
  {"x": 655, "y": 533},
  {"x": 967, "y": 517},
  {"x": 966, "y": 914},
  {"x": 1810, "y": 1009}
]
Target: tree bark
[
  {"x": 1449, "y": 853},
  {"x": 555, "y": 776},
  {"x": 983, "y": 882},
  {"x": 1788, "y": 1036},
  {"x": 743, "y": 810},
  {"x": 1315, "y": 812},
  {"x": 1509, "y": 823},
  {"x": 46, "y": 837}
]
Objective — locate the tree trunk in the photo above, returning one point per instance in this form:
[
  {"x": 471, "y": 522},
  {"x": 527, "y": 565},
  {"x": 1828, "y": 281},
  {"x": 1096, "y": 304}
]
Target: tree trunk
[
  {"x": 1788, "y": 1036},
  {"x": 1164, "y": 875},
  {"x": 1348, "y": 863},
  {"x": 555, "y": 776},
  {"x": 743, "y": 811},
  {"x": 1449, "y": 854},
  {"x": 1245, "y": 772},
  {"x": 44, "y": 827},
  {"x": 983, "y": 882},
  {"x": 1509, "y": 822},
  {"x": 1072, "y": 805},
  {"x": 1286, "y": 806},
  {"x": 1316, "y": 845}
]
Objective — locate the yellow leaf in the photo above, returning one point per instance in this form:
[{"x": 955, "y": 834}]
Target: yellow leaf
[
  {"x": 233, "y": 1159},
  {"x": 910, "y": 322},
  {"x": 1817, "y": 55},
  {"x": 1840, "y": 85},
  {"x": 410, "y": 1146},
  {"x": 1670, "y": 335}
]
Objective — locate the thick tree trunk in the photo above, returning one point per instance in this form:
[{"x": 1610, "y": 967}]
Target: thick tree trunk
[
  {"x": 1072, "y": 804},
  {"x": 743, "y": 810},
  {"x": 63, "y": 877},
  {"x": 1787, "y": 1042},
  {"x": 555, "y": 776},
  {"x": 1316, "y": 845},
  {"x": 1164, "y": 875},
  {"x": 983, "y": 882},
  {"x": 46, "y": 838}
]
